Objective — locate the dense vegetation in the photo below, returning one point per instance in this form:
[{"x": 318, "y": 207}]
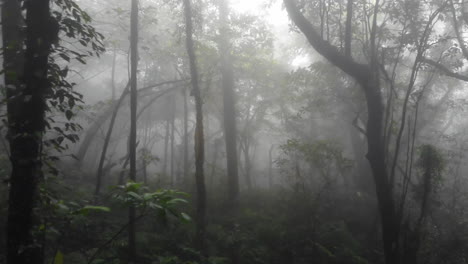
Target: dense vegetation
[{"x": 240, "y": 132}]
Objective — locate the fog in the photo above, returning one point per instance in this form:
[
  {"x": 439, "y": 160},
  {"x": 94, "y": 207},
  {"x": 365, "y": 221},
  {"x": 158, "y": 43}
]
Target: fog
[{"x": 234, "y": 131}]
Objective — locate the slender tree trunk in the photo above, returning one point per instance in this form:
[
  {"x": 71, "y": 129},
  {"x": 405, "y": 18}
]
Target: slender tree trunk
[
  {"x": 122, "y": 171},
  {"x": 173, "y": 180},
  {"x": 270, "y": 166},
  {"x": 132, "y": 254},
  {"x": 199, "y": 135},
  {"x": 215, "y": 160},
  {"x": 166, "y": 145},
  {"x": 348, "y": 32},
  {"x": 26, "y": 114},
  {"x": 114, "y": 58},
  {"x": 248, "y": 179},
  {"x": 143, "y": 166},
  {"x": 362, "y": 178},
  {"x": 90, "y": 134},
  {"x": 230, "y": 127},
  {"x": 186, "y": 167},
  {"x": 102, "y": 159}
]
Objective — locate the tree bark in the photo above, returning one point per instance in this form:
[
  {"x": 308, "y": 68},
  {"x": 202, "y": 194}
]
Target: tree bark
[
  {"x": 270, "y": 166},
  {"x": 99, "y": 173},
  {"x": 132, "y": 254},
  {"x": 173, "y": 179},
  {"x": 26, "y": 117},
  {"x": 114, "y": 58},
  {"x": 348, "y": 32},
  {"x": 166, "y": 145},
  {"x": 199, "y": 135},
  {"x": 369, "y": 82},
  {"x": 229, "y": 114},
  {"x": 186, "y": 167}
]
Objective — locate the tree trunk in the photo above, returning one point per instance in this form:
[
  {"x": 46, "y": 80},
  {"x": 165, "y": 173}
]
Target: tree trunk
[
  {"x": 99, "y": 173},
  {"x": 166, "y": 145},
  {"x": 230, "y": 128},
  {"x": 94, "y": 128},
  {"x": 214, "y": 162},
  {"x": 368, "y": 80},
  {"x": 91, "y": 134},
  {"x": 173, "y": 179},
  {"x": 348, "y": 32},
  {"x": 143, "y": 167},
  {"x": 26, "y": 113},
  {"x": 246, "y": 150},
  {"x": 270, "y": 166},
  {"x": 132, "y": 255},
  {"x": 114, "y": 58},
  {"x": 186, "y": 167},
  {"x": 199, "y": 136}
]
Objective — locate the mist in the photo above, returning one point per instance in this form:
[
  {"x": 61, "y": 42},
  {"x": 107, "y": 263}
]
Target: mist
[{"x": 233, "y": 132}]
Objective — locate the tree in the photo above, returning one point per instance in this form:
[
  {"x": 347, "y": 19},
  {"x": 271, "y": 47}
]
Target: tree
[
  {"x": 133, "y": 124},
  {"x": 367, "y": 75},
  {"x": 199, "y": 136},
  {"x": 229, "y": 107},
  {"x": 26, "y": 114}
]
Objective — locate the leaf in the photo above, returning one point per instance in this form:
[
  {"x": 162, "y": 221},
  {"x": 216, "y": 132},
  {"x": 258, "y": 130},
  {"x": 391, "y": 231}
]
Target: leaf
[
  {"x": 185, "y": 217},
  {"x": 177, "y": 200},
  {"x": 86, "y": 209},
  {"x": 68, "y": 114},
  {"x": 134, "y": 195},
  {"x": 324, "y": 250},
  {"x": 58, "y": 259},
  {"x": 65, "y": 56},
  {"x": 133, "y": 186}
]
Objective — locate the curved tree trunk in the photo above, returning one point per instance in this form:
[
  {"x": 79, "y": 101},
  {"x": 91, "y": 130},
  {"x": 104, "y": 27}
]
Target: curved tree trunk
[
  {"x": 369, "y": 82},
  {"x": 100, "y": 169}
]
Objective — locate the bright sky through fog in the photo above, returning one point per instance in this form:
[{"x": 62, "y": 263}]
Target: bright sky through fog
[{"x": 274, "y": 13}]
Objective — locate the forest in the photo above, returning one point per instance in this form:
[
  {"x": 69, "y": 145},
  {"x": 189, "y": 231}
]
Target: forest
[{"x": 234, "y": 132}]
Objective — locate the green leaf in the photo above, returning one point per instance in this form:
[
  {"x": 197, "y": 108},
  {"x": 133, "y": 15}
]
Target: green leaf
[
  {"x": 133, "y": 186},
  {"x": 324, "y": 250},
  {"x": 134, "y": 195},
  {"x": 177, "y": 200},
  {"x": 185, "y": 217},
  {"x": 86, "y": 209},
  {"x": 58, "y": 259}
]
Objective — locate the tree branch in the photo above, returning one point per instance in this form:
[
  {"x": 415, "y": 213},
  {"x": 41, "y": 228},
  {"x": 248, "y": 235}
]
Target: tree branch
[
  {"x": 348, "y": 65},
  {"x": 444, "y": 69}
]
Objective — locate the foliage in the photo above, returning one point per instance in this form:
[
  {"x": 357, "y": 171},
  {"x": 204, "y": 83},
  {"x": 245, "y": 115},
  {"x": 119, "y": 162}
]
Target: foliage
[
  {"x": 162, "y": 201},
  {"x": 431, "y": 161},
  {"x": 74, "y": 24},
  {"x": 323, "y": 156}
]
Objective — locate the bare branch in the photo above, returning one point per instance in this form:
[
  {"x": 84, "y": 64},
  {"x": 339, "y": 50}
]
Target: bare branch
[{"x": 444, "y": 69}]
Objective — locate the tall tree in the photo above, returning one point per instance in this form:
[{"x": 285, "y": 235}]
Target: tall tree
[
  {"x": 366, "y": 76},
  {"x": 230, "y": 128},
  {"x": 348, "y": 30},
  {"x": 199, "y": 135},
  {"x": 26, "y": 94},
  {"x": 186, "y": 166},
  {"x": 173, "y": 109},
  {"x": 133, "y": 123}
]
